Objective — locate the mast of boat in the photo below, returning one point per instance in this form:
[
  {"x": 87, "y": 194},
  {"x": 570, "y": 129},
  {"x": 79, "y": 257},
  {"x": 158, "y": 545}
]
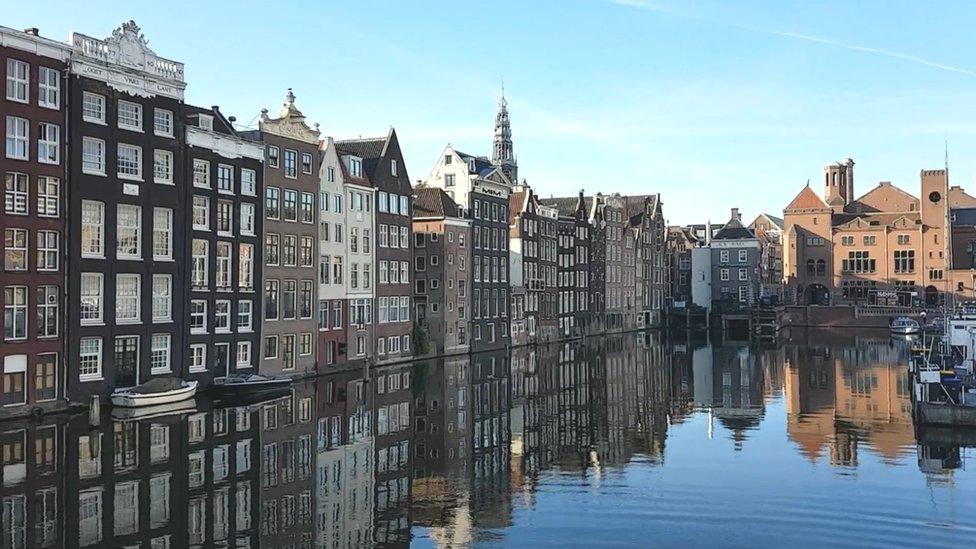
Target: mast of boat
[{"x": 947, "y": 248}]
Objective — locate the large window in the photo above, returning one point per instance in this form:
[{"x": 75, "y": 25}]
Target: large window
[
  {"x": 291, "y": 168},
  {"x": 272, "y": 249},
  {"x": 16, "y": 144},
  {"x": 290, "y": 212},
  {"x": 271, "y": 300},
  {"x": 289, "y": 250},
  {"x": 163, "y": 122},
  {"x": 162, "y": 298},
  {"x": 15, "y": 312},
  {"x": 48, "y": 196},
  {"x": 47, "y": 250},
  {"x": 163, "y": 167},
  {"x": 15, "y": 197},
  {"x": 127, "y": 290},
  {"x": 225, "y": 178},
  {"x": 18, "y": 80},
  {"x": 245, "y": 278},
  {"x": 93, "y": 108},
  {"x": 47, "y": 311},
  {"x": 904, "y": 261},
  {"x": 15, "y": 249},
  {"x": 93, "y": 156},
  {"x": 49, "y": 143},
  {"x": 129, "y": 162},
  {"x": 162, "y": 233},
  {"x": 305, "y": 301},
  {"x": 48, "y": 88},
  {"x": 159, "y": 354},
  {"x": 289, "y": 298},
  {"x": 247, "y": 219},
  {"x": 225, "y": 217},
  {"x": 90, "y": 361},
  {"x": 248, "y": 182},
  {"x": 199, "y": 261},
  {"x": 129, "y": 233},
  {"x": 130, "y": 115},
  {"x": 198, "y": 316},
  {"x": 92, "y": 229},
  {"x": 308, "y": 205},
  {"x": 245, "y": 316},
  {"x": 244, "y": 354},
  {"x": 222, "y": 316},
  {"x": 223, "y": 264},
  {"x": 91, "y": 298},
  {"x": 858, "y": 261},
  {"x": 305, "y": 252}
]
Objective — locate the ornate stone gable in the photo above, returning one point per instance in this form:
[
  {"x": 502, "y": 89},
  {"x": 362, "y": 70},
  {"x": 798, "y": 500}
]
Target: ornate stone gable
[
  {"x": 290, "y": 122},
  {"x": 125, "y": 62}
]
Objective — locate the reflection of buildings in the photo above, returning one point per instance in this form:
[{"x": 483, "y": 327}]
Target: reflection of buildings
[
  {"x": 33, "y": 484},
  {"x": 491, "y": 401},
  {"x": 842, "y": 392},
  {"x": 392, "y": 395},
  {"x": 728, "y": 380},
  {"x": 286, "y": 468}
]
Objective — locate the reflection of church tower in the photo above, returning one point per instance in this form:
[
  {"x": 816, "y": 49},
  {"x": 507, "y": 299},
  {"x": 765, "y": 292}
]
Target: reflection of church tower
[{"x": 503, "y": 153}]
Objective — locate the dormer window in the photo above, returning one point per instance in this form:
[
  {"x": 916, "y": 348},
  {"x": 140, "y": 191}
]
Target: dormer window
[
  {"x": 205, "y": 122},
  {"x": 393, "y": 167},
  {"x": 355, "y": 167},
  {"x": 471, "y": 165}
]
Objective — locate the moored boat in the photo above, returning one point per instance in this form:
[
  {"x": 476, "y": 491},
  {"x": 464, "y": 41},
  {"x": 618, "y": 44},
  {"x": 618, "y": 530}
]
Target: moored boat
[
  {"x": 905, "y": 326},
  {"x": 249, "y": 383},
  {"x": 154, "y": 392}
]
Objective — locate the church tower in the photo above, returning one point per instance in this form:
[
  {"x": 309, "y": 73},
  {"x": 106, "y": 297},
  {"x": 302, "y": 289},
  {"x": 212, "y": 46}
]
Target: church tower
[
  {"x": 839, "y": 184},
  {"x": 503, "y": 153}
]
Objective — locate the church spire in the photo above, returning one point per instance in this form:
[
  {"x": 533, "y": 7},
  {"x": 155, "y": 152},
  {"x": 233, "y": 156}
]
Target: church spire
[{"x": 503, "y": 153}]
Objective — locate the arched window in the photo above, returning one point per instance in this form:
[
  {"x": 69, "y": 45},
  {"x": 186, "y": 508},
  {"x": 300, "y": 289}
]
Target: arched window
[
  {"x": 811, "y": 269},
  {"x": 821, "y": 267}
]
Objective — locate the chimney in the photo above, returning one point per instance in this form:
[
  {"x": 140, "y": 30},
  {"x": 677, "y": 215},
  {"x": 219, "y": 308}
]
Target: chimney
[
  {"x": 736, "y": 215},
  {"x": 32, "y": 31}
]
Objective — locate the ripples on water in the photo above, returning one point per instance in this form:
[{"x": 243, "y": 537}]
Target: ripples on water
[{"x": 625, "y": 441}]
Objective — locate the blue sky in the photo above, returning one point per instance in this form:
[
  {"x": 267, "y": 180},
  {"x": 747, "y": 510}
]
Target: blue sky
[{"x": 712, "y": 104}]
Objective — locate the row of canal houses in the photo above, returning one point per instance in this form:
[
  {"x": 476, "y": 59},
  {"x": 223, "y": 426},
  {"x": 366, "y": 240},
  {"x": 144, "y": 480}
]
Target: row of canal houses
[{"x": 147, "y": 237}]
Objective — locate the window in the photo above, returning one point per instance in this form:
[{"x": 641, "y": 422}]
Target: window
[
  {"x": 159, "y": 354},
  {"x": 743, "y": 274},
  {"x": 47, "y": 311},
  {"x": 272, "y": 199},
  {"x": 47, "y": 250},
  {"x": 225, "y": 217},
  {"x": 404, "y": 210},
  {"x": 247, "y": 218},
  {"x": 201, "y": 173},
  {"x": 162, "y": 298},
  {"x": 225, "y": 178},
  {"x": 130, "y": 116},
  {"x": 48, "y": 88},
  {"x": 130, "y": 162},
  {"x": 198, "y": 357},
  {"x": 18, "y": 80},
  {"x": 91, "y": 298},
  {"x": 743, "y": 256},
  {"x": 288, "y": 352},
  {"x": 222, "y": 316},
  {"x": 305, "y": 299},
  {"x": 92, "y": 229},
  {"x": 198, "y": 316},
  {"x": 201, "y": 213},
  {"x": 93, "y": 156},
  {"x": 847, "y": 241},
  {"x": 17, "y": 147},
  {"x": 724, "y": 256},
  {"x": 198, "y": 263},
  {"x": 291, "y": 169},
  {"x": 49, "y": 143},
  {"x": 129, "y": 232},
  {"x": 870, "y": 240},
  {"x": 15, "y": 249},
  {"x": 205, "y": 122},
  {"x": 90, "y": 361},
  {"x": 245, "y": 273},
  {"x": 724, "y": 273},
  {"x": 272, "y": 156},
  {"x": 127, "y": 298},
  {"x": 393, "y": 167},
  {"x": 306, "y": 163},
  {"x": 271, "y": 299},
  {"x": 355, "y": 167},
  {"x": 245, "y": 315},
  {"x": 163, "y": 122},
  {"x": 162, "y": 234},
  {"x": 305, "y": 344},
  {"x": 271, "y": 347},
  {"x": 308, "y": 204},
  {"x": 45, "y": 372},
  {"x": 15, "y": 197},
  {"x": 904, "y": 239},
  {"x": 223, "y": 265},
  {"x": 163, "y": 167},
  {"x": 858, "y": 261},
  {"x": 904, "y": 261},
  {"x": 305, "y": 252},
  {"x": 15, "y": 312},
  {"x": 272, "y": 249},
  {"x": 449, "y": 179},
  {"x": 290, "y": 212},
  {"x": 243, "y": 354},
  {"x": 289, "y": 299},
  {"x": 248, "y": 182},
  {"x": 93, "y": 108}
]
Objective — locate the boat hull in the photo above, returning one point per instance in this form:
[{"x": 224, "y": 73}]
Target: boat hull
[
  {"x": 128, "y": 399},
  {"x": 251, "y": 386}
]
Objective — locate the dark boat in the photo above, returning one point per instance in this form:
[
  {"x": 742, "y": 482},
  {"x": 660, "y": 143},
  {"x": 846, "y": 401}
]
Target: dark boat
[{"x": 249, "y": 383}]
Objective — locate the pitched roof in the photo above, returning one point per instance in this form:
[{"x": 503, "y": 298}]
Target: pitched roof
[
  {"x": 370, "y": 149},
  {"x": 482, "y": 165},
  {"x": 778, "y": 221},
  {"x": 433, "y": 202},
  {"x": 733, "y": 230},
  {"x": 806, "y": 200},
  {"x": 566, "y": 206}
]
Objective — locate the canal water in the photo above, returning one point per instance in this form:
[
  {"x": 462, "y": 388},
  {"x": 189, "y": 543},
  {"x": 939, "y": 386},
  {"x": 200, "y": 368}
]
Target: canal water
[{"x": 629, "y": 441}]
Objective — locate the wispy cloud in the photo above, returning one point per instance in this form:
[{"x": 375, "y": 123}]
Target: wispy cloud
[{"x": 657, "y": 7}]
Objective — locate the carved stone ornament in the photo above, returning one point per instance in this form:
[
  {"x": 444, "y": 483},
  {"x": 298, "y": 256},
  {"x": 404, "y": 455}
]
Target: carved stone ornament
[{"x": 290, "y": 122}]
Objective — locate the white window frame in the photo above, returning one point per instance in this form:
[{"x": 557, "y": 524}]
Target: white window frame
[
  {"x": 127, "y": 168},
  {"x": 124, "y": 121},
  {"x": 127, "y": 301},
  {"x": 48, "y": 87},
  {"x": 229, "y": 170},
  {"x": 248, "y": 216},
  {"x": 16, "y": 194},
  {"x": 198, "y": 357},
  {"x": 163, "y": 167},
  {"x": 18, "y": 81},
  {"x": 97, "y": 297},
  {"x": 18, "y": 138},
  {"x": 93, "y": 108},
  {"x": 162, "y": 298},
  {"x": 161, "y": 344},
  {"x": 202, "y": 315},
  {"x": 93, "y": 156},
  {"x": 162, "y": 232},
  {"x": 249, "y": 181},
  {"x": 48, "y": 203},
  {"x": 166, "y": 117},
  {"x": 245, "y": 310},
  {"x": 85, "y": 353},
  {"x": 204, "y": 207},
  {"x": 48, "y": 253},
  {"x": 222, "y": 323},
  {"x": 100, "y": 229},
  {"x": 243, "y": 355},
  {"x": 137, "y": 228},
  {"x": 49, "y": 143}
]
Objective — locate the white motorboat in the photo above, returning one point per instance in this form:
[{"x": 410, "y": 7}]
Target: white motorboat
[
  {"x": 905, "y": 326},
  {"x": 154, "y": 392}
]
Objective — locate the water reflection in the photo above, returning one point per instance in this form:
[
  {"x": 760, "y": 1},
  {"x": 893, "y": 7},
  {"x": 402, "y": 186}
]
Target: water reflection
[{"x": 464, "y": 450}]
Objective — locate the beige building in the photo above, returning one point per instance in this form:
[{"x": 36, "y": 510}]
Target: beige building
[{"x": 886, "y": 247}]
